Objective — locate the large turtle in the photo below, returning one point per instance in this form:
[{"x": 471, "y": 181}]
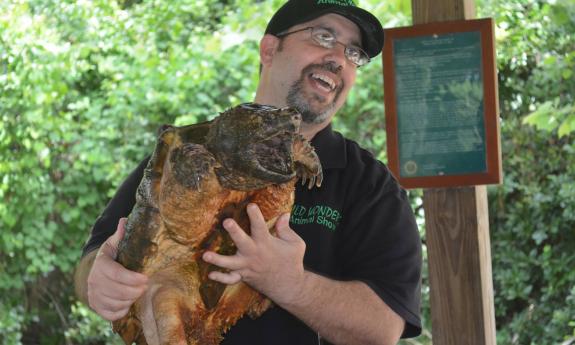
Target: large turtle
[{"x": 197, "y": 176}]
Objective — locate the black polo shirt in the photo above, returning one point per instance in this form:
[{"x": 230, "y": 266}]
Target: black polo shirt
[{"x": 357, "y": 226}]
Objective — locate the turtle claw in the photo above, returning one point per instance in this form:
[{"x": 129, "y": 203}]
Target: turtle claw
[
  {"x": 311, "y": 182},
  {"x": 319, "y": 180},
  {"x": 308, "y": 166},
  {"x": 309, "y": 177}
]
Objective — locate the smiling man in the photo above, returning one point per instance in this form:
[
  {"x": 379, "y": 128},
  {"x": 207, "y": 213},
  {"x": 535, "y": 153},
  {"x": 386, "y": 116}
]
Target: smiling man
[
  {"x": 301, "y": 70},
  {"x": 345, "y": 266}
]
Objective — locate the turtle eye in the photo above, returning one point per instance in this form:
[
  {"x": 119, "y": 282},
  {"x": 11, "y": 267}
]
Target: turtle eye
[{"x": 250, "y": 106}]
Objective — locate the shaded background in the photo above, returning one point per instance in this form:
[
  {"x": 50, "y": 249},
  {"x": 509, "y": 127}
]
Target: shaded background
[{"x": 85, "y": 84}]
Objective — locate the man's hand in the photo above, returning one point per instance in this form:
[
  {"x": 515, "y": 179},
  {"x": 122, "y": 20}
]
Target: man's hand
[
  {"x": 344, "y": 312},
  {"x": 111, "y": 288},
  {"x": 272, "y": 265}
]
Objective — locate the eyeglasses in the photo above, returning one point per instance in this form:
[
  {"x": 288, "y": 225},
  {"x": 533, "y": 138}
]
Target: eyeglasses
[{"x": 325, "y": 38}]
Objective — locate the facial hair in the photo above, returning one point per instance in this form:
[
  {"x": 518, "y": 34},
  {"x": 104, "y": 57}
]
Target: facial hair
[{"x": 296, "y": 96}]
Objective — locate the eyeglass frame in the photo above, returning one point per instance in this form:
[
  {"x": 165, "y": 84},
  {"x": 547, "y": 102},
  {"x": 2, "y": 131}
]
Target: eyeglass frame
[{"x": 346, "y": 47}]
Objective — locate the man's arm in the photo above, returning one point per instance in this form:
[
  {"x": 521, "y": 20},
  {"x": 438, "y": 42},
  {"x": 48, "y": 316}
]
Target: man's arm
[
  {"x": 345, "y": 312},
  {"x": 342, "y": 312},
  {"x": 105, "y": 285}
]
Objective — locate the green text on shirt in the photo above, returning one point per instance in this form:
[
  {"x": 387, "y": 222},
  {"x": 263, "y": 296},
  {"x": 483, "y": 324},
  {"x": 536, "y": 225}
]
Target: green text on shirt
[{"x": 317, "y": 214}]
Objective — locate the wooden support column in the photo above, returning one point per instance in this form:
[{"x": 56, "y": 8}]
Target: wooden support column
[
  {"x": 459, "y": 256},
  {"x": 429, "y": 11},
  {"x": 457, "y": 231}
]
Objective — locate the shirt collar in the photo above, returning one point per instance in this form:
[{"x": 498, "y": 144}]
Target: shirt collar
[{"x": 330, "y": 147}]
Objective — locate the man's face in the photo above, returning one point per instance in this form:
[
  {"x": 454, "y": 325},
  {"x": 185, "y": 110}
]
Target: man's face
[{"x": 311, "y": 78}]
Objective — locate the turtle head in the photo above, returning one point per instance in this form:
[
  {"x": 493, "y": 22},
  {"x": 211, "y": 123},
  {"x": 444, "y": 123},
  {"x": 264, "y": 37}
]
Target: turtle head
[{"x": 254, "y": 143}]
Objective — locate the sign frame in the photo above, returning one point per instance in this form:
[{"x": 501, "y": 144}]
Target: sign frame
[{"x": 493, "y": 172}]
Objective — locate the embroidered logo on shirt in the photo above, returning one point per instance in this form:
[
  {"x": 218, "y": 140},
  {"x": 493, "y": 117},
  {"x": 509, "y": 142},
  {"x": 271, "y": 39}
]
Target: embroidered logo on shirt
[{"x": 317, "y": 214}]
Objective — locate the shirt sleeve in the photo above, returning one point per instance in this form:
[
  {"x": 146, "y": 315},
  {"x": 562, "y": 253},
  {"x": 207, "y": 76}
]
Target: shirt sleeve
[
  {"x": 381, "y": 244},
  {"x": 119, "y": 206}
]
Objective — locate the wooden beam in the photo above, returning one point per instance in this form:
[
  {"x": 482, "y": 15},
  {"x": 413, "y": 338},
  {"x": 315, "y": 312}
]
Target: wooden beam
[
  {"x": 457, "y": 231},
  {"x": 459, "y": 256},
  {"x": 429, "y": 11}
]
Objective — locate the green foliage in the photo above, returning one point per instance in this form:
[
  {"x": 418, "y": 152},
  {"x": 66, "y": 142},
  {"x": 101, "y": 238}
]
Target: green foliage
[
  {"x": 85, "y": 85},
  {"x": 533, "y": 233},
  {"x": 541, "y": 50},
  {"x": 87, "y": 327},
  {"x": 550, "y": 116},
  {"x": 532, "y": 212}
]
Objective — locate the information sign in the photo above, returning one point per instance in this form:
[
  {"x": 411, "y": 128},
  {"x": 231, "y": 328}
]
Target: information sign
[{"x": 441, "y": 104}]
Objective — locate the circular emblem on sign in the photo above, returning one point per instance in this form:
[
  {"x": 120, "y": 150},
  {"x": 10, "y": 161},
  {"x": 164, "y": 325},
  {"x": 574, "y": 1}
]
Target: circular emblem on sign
[{"x": 410, "y": 167}]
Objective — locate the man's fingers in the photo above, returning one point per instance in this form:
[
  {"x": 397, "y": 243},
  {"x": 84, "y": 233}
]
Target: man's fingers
[
  {"x": 284, "y": 231},
  {"x": 124, "y": 293},
  {"x": 118, "y": 273},
  {"x": 113, "y": 305},
  {"x": 238, "y": 235},
  {"x": 225, "y": 278},
  {"x": 258, "y": 224},
  {"x": 112, "y": 288},
  {"x": 230, "y": 262},
  {"x": 113, "y": 315}
]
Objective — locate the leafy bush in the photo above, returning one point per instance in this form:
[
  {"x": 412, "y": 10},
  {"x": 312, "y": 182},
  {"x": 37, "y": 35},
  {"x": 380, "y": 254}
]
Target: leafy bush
[
  {"x": 85, "y": 86},
  {"x": 532, "y": 212}
]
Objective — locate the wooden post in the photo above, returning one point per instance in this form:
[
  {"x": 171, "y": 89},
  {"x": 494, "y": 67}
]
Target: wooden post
[
  {"x": 457, "y": 231},
  {"x": 459, "y": 256},
  {"x": 429, "y": 11}
]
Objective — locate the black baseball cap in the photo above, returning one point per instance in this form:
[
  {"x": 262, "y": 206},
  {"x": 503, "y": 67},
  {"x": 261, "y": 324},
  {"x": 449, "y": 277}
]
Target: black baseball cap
[{"x": 295, "y": 12}]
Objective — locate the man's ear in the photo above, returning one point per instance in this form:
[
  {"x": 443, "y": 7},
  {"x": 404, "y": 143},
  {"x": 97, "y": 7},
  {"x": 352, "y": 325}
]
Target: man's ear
[{"x": 268, "y": 47}]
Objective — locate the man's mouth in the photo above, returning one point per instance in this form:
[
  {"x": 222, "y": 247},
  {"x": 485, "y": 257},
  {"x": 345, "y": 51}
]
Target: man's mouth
[{"x": 323, "y": 82}]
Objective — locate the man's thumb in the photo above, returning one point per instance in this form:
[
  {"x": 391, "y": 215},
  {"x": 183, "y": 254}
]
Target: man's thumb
[
  {"x": 110, "y": 247},
  {"x": 284, "y": 231}
]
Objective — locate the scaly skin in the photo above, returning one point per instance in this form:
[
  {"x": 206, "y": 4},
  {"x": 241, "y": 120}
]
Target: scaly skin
[{"x": 198, "y": 176}]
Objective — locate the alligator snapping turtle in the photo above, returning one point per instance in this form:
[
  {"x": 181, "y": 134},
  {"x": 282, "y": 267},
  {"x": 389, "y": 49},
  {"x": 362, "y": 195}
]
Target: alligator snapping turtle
[{"x": 197, "y": 176}]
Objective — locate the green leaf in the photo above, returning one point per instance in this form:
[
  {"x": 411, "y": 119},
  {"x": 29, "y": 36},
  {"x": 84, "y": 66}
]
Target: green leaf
[
  {"x": 567, "y": 126},
  {"x": 542, "y": 118}
]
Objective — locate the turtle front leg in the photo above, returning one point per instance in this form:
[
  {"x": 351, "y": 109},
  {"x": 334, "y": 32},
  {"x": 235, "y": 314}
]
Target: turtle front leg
[
  {"x": 188, "y": 182},
  {"x": 308, "y": 166}
]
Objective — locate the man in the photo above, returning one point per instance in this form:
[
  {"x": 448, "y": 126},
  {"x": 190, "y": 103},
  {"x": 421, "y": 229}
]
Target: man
[{"x": 346, "y": 266}]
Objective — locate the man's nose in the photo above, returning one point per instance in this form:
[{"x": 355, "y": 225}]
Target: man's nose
[{"x": 336, "y": 56}]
